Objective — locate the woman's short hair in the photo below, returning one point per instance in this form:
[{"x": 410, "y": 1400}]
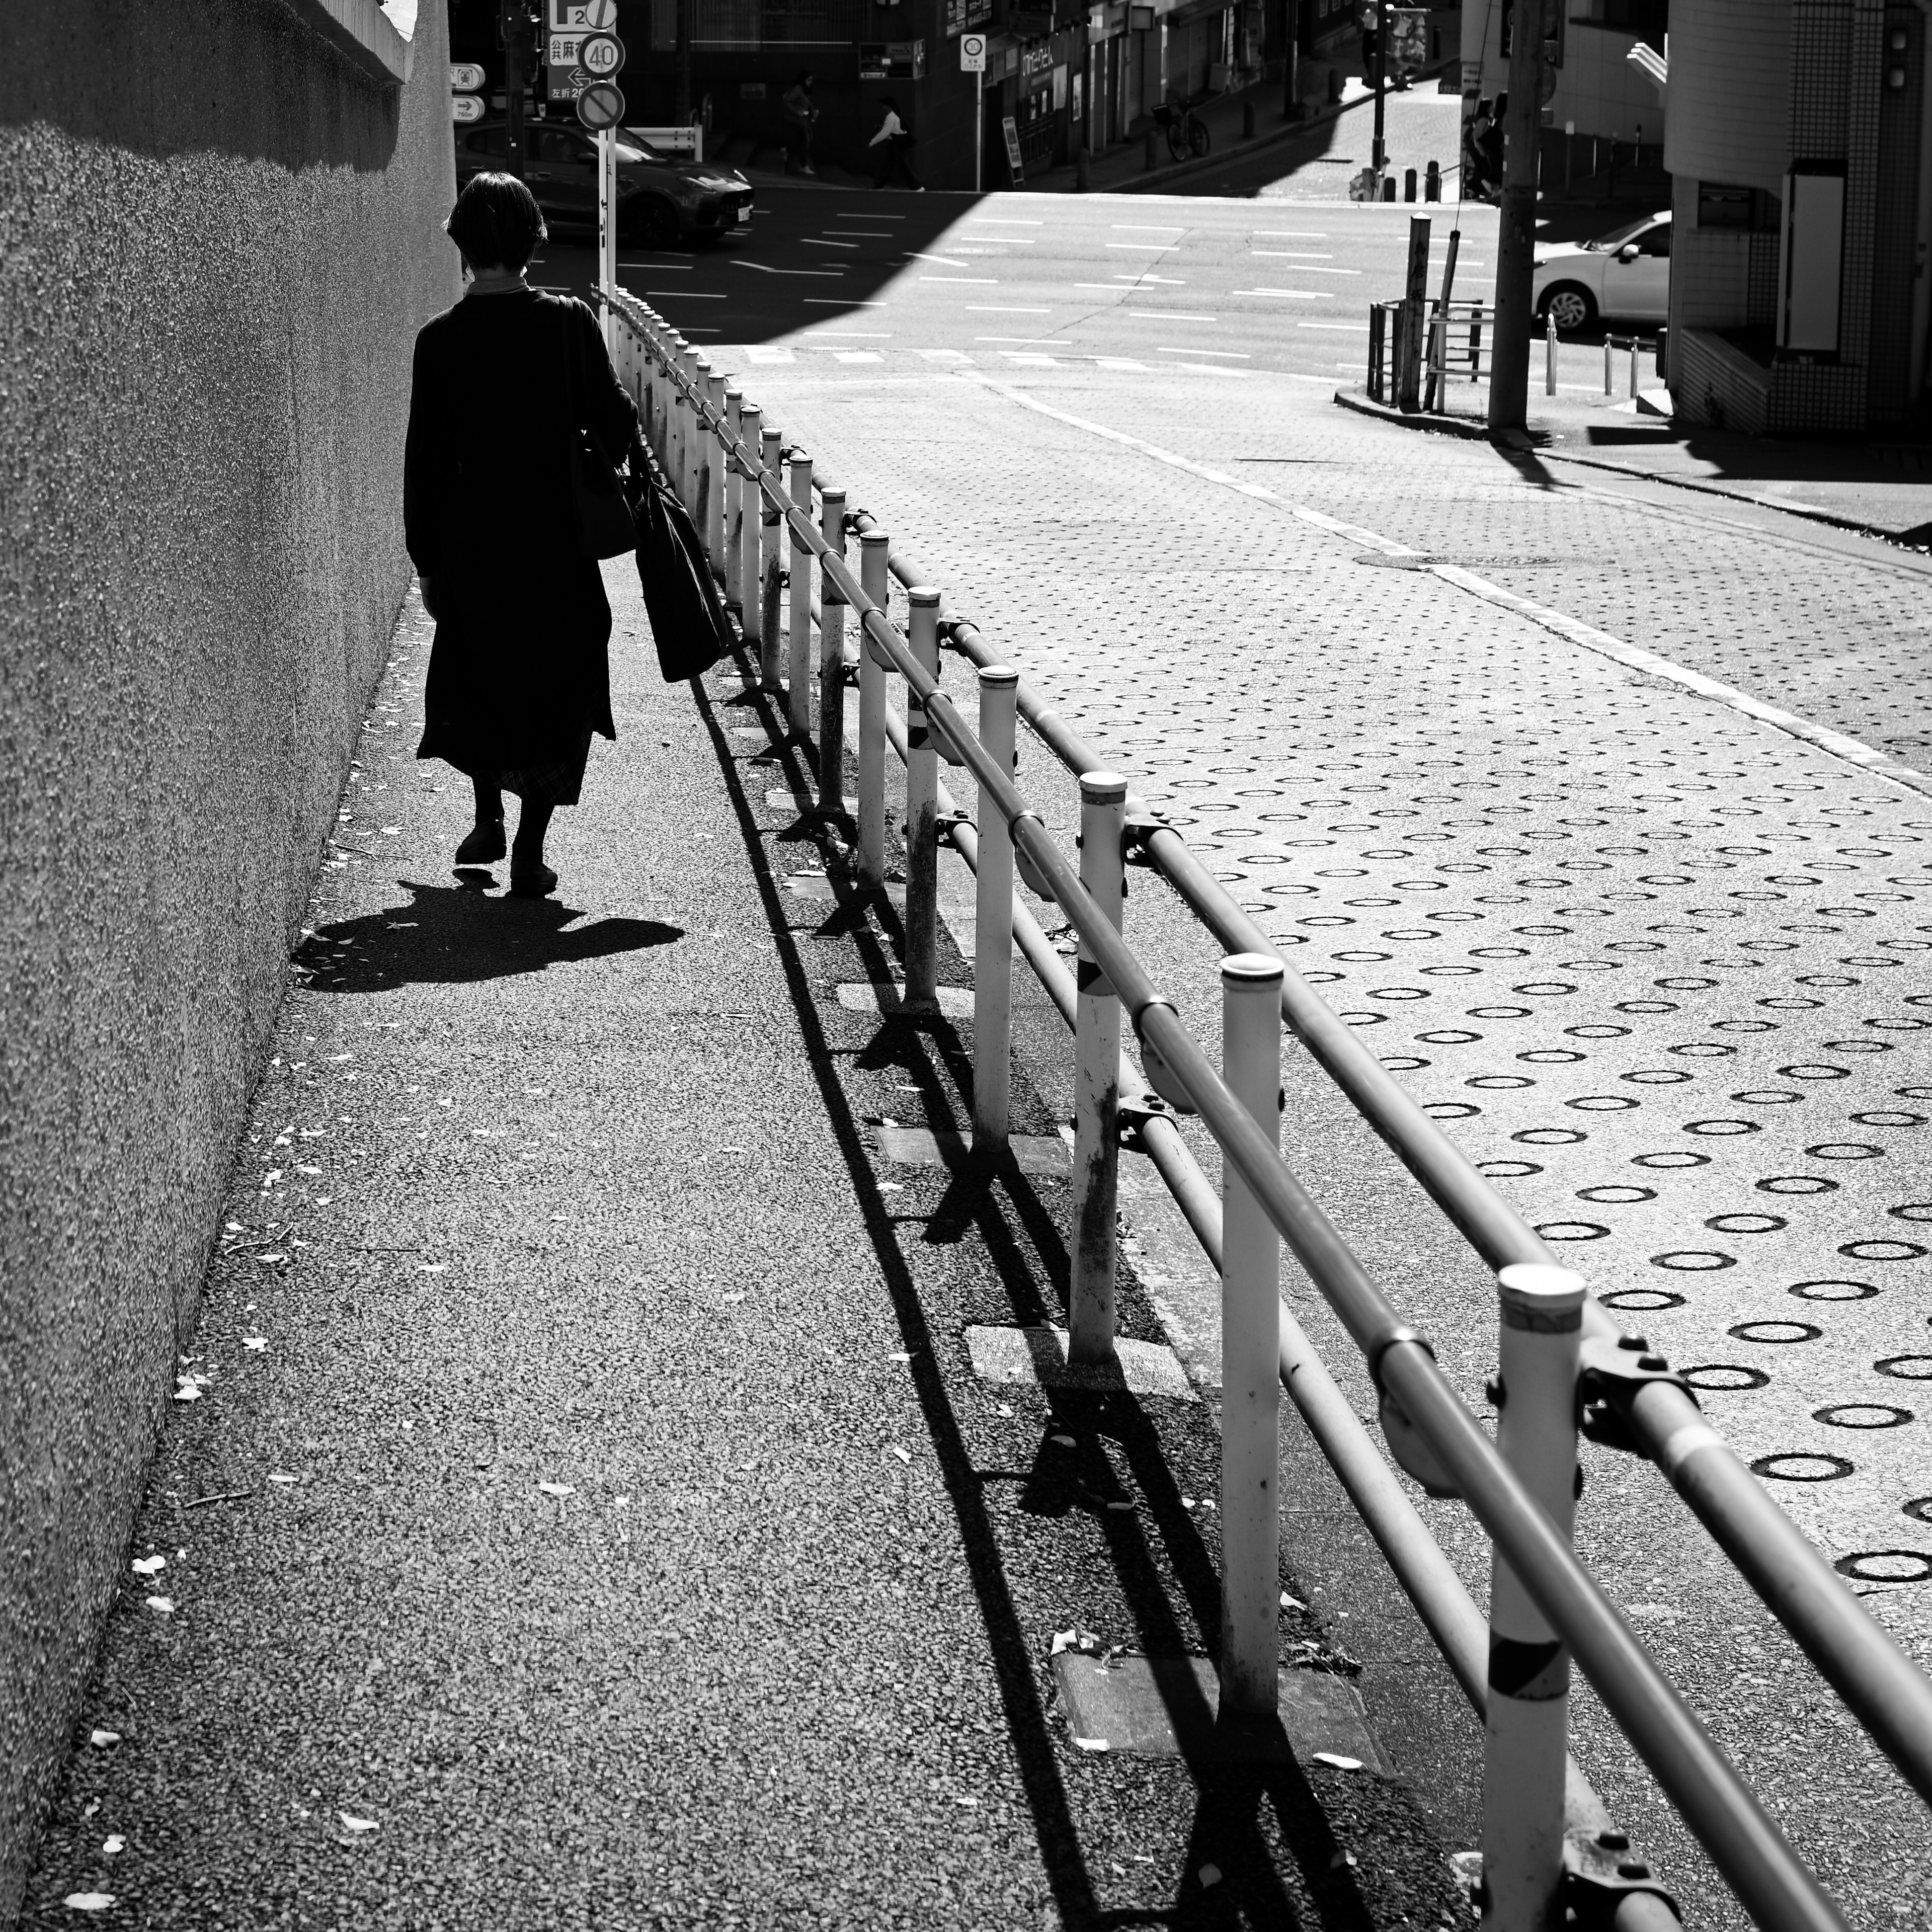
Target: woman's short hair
[{"x": 496, "y": 222}]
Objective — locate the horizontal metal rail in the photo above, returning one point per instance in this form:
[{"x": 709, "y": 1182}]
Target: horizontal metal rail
[
  {"x": 1888, "y": 1693},
  {"x": 1761, "y": 1867}
]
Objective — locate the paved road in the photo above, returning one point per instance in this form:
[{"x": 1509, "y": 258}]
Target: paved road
[{"x": 1595, "y": 915}]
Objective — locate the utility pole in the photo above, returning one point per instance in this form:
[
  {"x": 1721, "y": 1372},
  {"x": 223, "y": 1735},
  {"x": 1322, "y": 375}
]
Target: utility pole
[
  {"x": 683, "y": 115},
  {"x": 1515, "y": 240},
  {"x": 513, "y": 30}
]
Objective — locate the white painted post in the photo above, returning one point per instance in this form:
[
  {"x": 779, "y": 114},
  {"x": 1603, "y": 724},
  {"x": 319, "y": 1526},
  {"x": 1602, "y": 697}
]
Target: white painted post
[
  {"x": 713, "y": 530},
  {"x": 872, "y": 554},
  {"x": 1527, "y": 1725},
  {"x": 831, "y": 664},
  {"x": 1097, "y": 1080},
  {"x": 922, "y": 814},
  {"x": 750, "y": 423},
  {"x": 1549, "y": 353},
  {"x": 704, "y": 479},
  {"x": 1609, "y": 343},
  {"x": 680, "y": 446},
  {"x": 771, "y": 665},
  {"x": 993, "y": 927},
  {"x": 1250, "y": 1354},
  {"x": 607, "y": 228},
  {"x": 1634, "y": 352},
  {"x": 799, "y": 618},
  {"x": 734, "y": 495}
]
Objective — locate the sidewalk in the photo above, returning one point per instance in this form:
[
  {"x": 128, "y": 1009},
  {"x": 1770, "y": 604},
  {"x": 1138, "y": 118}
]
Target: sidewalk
[
  {"x": 580, "y": 1508},
  {"x": 1880, "y": 487}
]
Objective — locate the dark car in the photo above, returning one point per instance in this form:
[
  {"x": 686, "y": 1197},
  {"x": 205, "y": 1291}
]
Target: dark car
[{"x": 661, "y": 198}]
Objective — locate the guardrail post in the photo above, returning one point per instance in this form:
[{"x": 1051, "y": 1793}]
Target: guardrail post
[
  {"x": 1609, "y": 344},
  {"x": 1251, "y": 1357},
  {"x": 1549, "y": 353},
  {"x": 993, "y": 926},
  {"x": 1527, "y": 1726},
  {"x": 703, "y": 481},
  {"x": 1377, "y": 325},
  {"x": 1635, "y": 353},
  {"x": 1097, "y": 1080},
  {"x": 771, "y": 554},
  {"x": 713, "y": 527},
  {"x": 734, "y": 494},
  {"x": 799, "y": 618},
  {"x": 680, "y": 442},
  {"x": 872, "y": 555},
  {"x": 922, "y": 814},
  {"x": 751, "y": 520},
  {"x": 831, "y": 661}
]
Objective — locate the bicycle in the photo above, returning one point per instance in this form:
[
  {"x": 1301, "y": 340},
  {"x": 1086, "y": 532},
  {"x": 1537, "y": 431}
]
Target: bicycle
[{"x": 1186, "y": 133}]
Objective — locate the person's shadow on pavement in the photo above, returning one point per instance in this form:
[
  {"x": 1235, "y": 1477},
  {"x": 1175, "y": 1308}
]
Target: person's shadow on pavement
[{"x": 457, "y": 934}]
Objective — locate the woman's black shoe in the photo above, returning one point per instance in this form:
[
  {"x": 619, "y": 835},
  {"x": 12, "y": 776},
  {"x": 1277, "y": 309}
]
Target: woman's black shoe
[
  {"x": 485, "y": 846},
  {"x": 531, "y": 879}
]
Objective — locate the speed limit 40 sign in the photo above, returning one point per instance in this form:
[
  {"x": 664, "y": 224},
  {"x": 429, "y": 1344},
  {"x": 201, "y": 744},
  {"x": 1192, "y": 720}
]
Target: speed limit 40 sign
[{"x": 972, "y": 53}]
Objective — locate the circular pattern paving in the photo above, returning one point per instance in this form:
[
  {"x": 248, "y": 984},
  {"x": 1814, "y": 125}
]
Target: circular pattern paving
[
  {"x": 1905, "y": 1368},
  {"x": 1726, "y": 1376},
  {"x": 1861, "y": 1415},
  {"x": 1642, "y": 1300},
  {"x": 1775, "y": 1332},
  {"x": 1886, "y": 1566},
  {"x": 1801, "y": 1466},
  {"x": 1833, "y": 1290}
]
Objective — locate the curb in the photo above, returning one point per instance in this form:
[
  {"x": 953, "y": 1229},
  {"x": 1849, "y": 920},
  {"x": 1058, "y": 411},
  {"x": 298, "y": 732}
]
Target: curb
[
  {"x": 1354, "y": 399},
  {"x": 1441, "y": 425}
]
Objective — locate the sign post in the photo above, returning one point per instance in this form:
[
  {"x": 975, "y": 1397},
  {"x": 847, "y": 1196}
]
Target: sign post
[
  {"x": 600, "y": 108},
  {"x": 972, "y": 60}
]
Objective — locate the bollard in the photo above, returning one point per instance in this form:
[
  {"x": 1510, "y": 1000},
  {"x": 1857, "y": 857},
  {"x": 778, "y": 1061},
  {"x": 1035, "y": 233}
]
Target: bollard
[
  {"x": 750, "y": 522},
  {"x": 1378, "y": 333},
  {"x": 713, "y": 530},
  {"x": 1081, "y": 180},
  {"x": 831, "y": 666},
  {"x": 771, "y": 657},
  {"x": 1247, "y": 120},
  {"x": 1409, "y": 184},
  {"x": 993, "y": 927},
  {"x": 1549, "y": 352},
  {"x": 680, "y": 419},
  {"x": 1432, "y": 182},
  {"x": 1251, "y": 1355},
  {"x": 1388, "y": 187},
  {"x": 798, "y": 708},
  {"x": 921, "y": 815},
  {"x": 1096, "y": 1080},
  {"x": 873, "y": 550},
  {"x": 1609, "y": 344},
  {"x": 1526, "y": 1727},
  {"x": 734, "y": 495},
  {"x": 1635, "y": 351},
  {"x": 704, "y": 482}
]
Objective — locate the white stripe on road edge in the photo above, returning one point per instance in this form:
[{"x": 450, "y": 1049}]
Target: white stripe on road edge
[{"x": 1586, "y": 636}]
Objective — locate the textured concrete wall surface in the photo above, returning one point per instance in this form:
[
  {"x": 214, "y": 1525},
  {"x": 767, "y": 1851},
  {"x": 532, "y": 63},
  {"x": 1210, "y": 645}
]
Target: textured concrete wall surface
[{"x": 218, "y": 235}]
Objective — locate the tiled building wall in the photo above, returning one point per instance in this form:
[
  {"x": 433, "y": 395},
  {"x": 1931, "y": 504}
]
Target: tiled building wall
[{"x": 1711, "y": 384}]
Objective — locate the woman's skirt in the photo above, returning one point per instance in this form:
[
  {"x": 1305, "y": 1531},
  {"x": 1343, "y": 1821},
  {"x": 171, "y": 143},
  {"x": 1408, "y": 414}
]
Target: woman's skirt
[{"x": 559, "y": 781}]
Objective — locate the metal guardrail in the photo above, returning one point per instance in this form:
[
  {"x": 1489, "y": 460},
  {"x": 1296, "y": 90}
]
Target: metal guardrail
[{"x": 1564, "y": 1357}]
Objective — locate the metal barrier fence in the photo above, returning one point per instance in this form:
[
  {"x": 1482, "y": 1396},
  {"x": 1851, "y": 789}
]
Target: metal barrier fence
[
  {"x": 1457, "y": 335},
  {"x": 1548, "y": 1845}
]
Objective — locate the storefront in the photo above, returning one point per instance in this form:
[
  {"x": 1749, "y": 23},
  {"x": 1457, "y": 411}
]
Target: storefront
[{"x": 1039, "y": 101}]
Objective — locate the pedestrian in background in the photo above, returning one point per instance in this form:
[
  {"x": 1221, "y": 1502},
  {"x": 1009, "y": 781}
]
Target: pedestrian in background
[
  {"x": 801, "y": 111},
  {"x": 505, "y": 385},
  {"x": 891, "y": 144}
]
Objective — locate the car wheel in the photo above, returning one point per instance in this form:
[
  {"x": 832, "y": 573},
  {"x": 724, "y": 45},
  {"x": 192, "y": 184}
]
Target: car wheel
[
  {"x": 655, "y": 222},
  {"x": 1569, "y": 307}
]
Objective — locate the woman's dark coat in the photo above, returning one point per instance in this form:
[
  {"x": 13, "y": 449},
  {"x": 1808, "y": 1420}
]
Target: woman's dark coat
[{"x": 520, "y": 670}]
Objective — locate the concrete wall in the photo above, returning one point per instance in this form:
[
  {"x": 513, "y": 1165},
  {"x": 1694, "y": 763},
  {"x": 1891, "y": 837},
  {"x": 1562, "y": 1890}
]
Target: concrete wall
[
  {"x": 1729, "y": 84},
  {"x": 218, "y": 235}
]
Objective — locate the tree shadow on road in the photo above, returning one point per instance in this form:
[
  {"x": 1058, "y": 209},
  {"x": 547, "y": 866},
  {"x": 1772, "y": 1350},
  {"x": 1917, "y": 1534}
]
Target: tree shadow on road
[{"x": 455, "y": 935}]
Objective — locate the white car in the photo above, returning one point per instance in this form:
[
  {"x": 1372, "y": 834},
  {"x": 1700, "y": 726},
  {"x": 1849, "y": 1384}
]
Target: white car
[{"x": 1623, "y": 276}]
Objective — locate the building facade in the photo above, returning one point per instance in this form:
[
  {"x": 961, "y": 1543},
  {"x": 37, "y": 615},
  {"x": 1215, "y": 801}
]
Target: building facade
[{"x": 1800, "y": 146}]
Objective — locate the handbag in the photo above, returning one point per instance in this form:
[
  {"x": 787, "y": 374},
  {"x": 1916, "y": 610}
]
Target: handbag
[
  {"x": 599, "y": 508},
  {"x": 688, "y": 624}
]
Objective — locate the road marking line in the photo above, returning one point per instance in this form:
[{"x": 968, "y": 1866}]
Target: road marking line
[
  {"x": 944, "y": 261},
  {"x": 1145, "y": 247},
  {"x": 1228, "y": 355},
  {"x": 1344, "y": 327},
  {"x": 1167, "y": 315},
  {"x": 1292, "y": 294},
  {"x": 1146, "y": 228},
  {"x": 1294, "y": 235},
  {"x": 871, "y": 234},
  {"x": 826, "y": 242},
  {"x": 1029, "y": 341},
  {"x": 1586, "y": 636},
  {"x": 766, "y": 268},
  {"x": 857, "y": 355},
  {"x": 1105, "y": 288},
  {"x": 849, "y": 301},
  {"x": 860, "y": 334},
  {"x": 1290, "y": 255},
  {"x": 994, "y": 308},
  {"x": 683, "y": 295},
  {"x": 962, "y": 281}
]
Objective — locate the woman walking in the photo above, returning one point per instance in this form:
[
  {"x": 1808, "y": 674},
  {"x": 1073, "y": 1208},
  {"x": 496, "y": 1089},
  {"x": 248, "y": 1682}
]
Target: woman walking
[{"x": 519, "y": 673}]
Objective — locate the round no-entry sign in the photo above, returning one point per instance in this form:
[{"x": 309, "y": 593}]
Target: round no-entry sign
[
  {"x": 600, "y": 105},
  {"x": 600, "y": 16}
]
